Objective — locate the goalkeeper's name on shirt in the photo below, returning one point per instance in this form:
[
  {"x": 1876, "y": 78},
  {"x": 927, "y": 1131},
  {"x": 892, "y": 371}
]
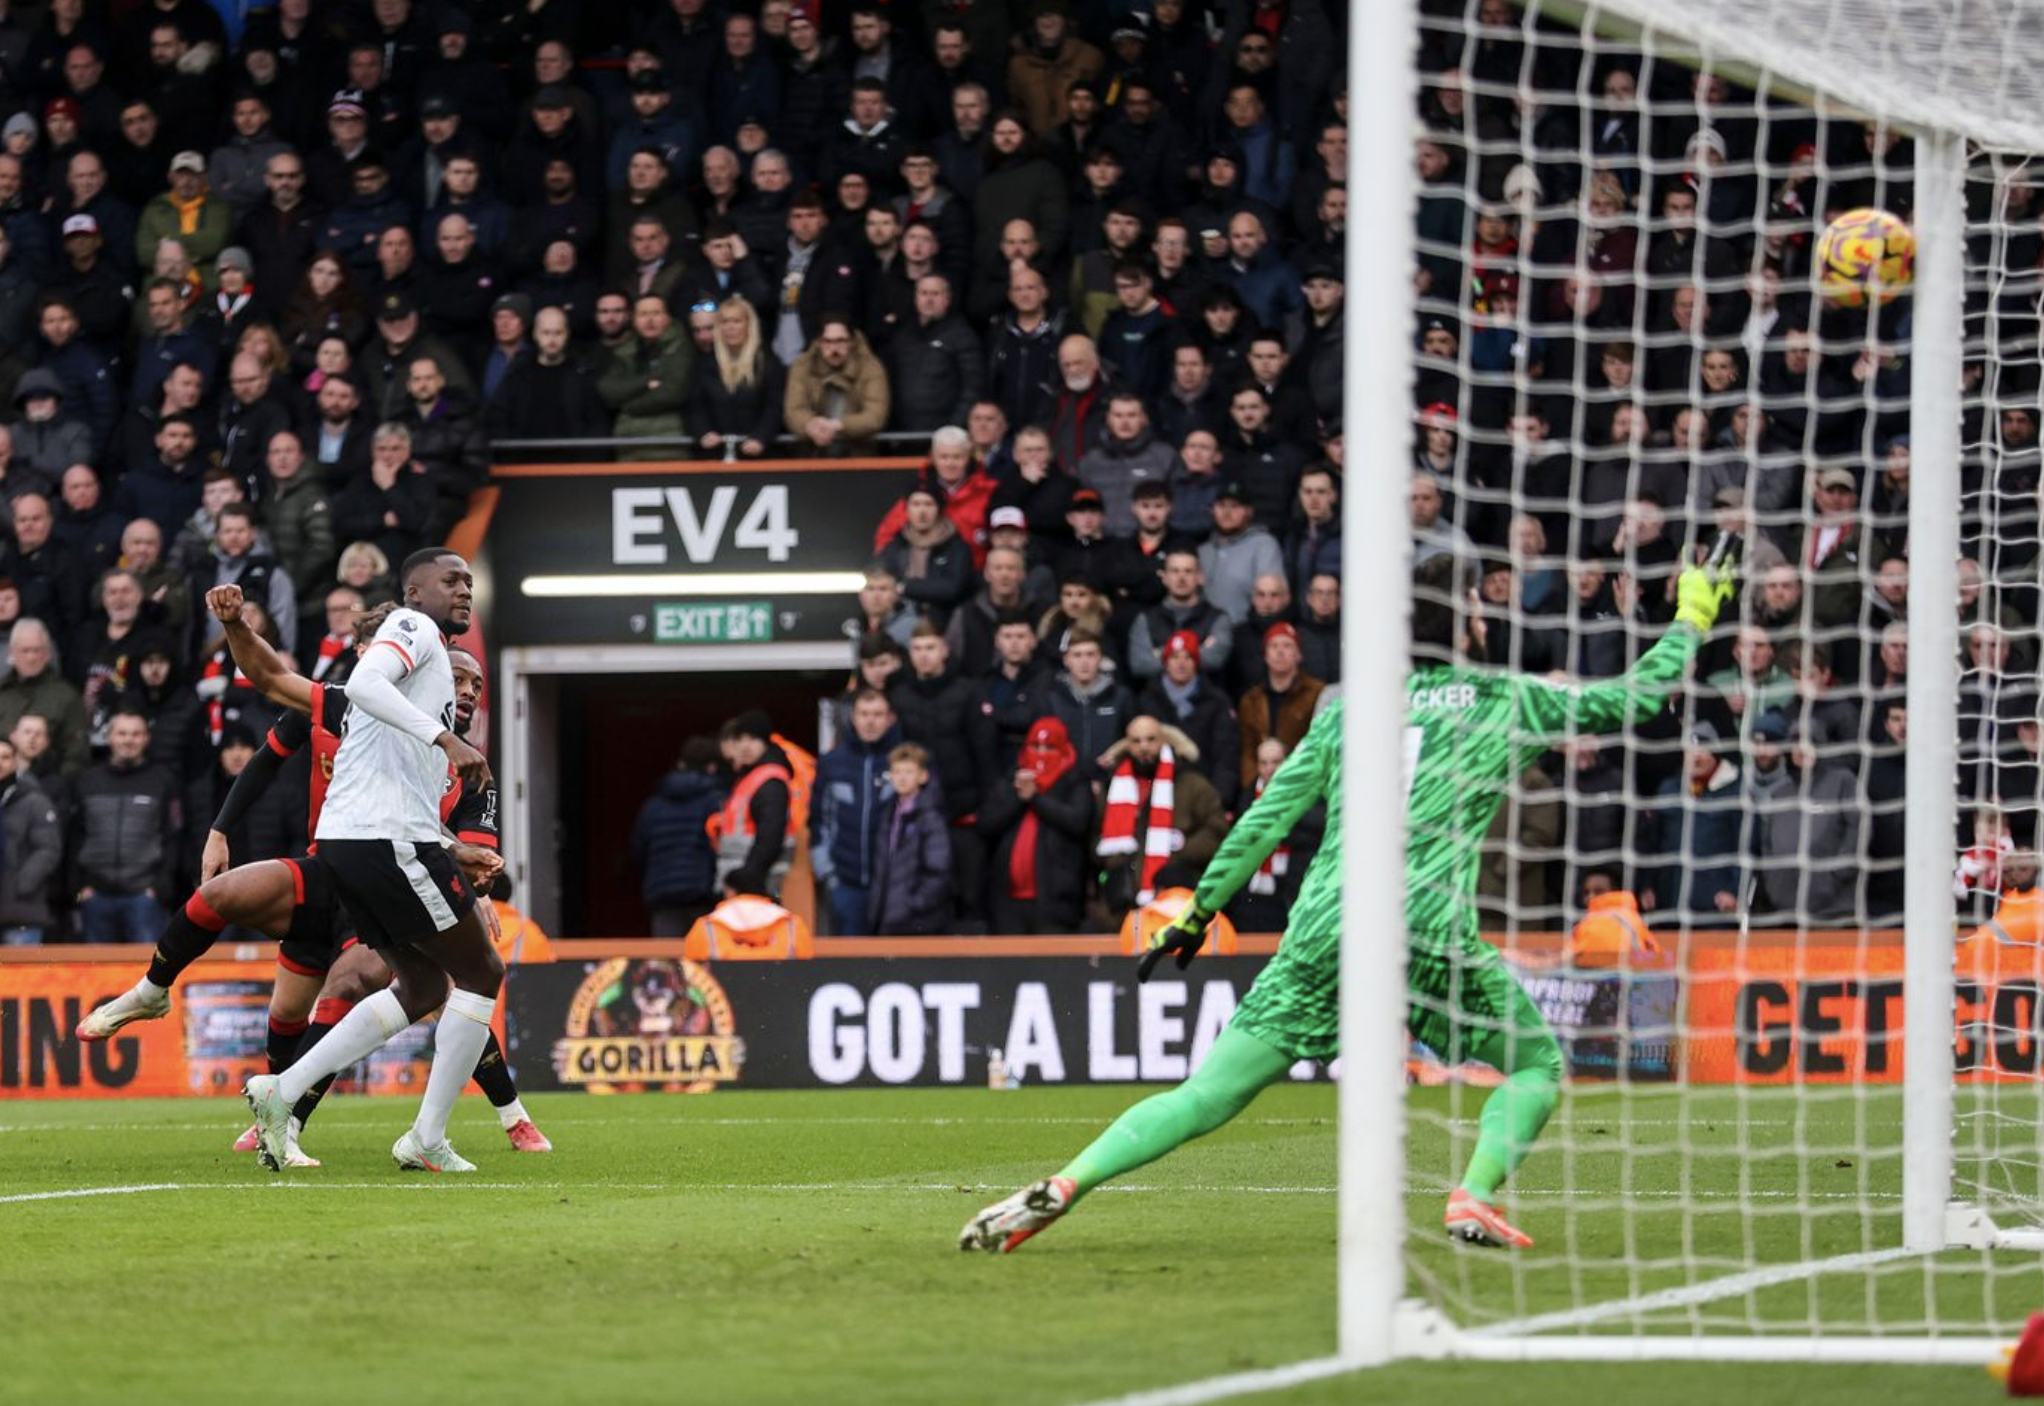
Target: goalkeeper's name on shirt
[{"x": 1451, "y": 695}]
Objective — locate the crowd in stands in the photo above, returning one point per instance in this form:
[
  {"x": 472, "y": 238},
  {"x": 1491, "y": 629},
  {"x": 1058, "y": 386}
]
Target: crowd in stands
[
  {"x": 273, "y": 292},
  {"x": 1618, "y": 359},
  {"x": 275, "y": 287}
]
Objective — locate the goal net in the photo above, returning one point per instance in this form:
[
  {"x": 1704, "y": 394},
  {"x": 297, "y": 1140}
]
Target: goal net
[{"x": 1787, "y": 924}]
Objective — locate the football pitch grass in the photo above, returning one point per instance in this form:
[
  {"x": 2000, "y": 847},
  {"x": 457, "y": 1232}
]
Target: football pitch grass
[{"x": 799, "y": 1247}]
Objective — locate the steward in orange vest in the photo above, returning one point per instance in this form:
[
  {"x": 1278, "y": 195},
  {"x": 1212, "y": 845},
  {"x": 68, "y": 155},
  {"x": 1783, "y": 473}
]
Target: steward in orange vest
[
  {"x": 754, "y": 833},
  {"x": 748, "y": 928},
  {"x": 1611, "y": 932}
]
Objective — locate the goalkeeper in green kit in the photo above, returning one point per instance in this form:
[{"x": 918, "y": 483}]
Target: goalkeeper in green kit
[{"x": 1469, "y": 731}]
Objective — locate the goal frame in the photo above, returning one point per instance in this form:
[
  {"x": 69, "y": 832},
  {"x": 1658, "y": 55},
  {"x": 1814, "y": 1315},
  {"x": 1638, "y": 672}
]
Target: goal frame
[{"x": 1377, "y": 1323}]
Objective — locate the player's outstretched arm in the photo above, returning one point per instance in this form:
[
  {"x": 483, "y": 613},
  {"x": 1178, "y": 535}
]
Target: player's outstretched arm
[
  {"x": 1299, "y": 784},
  {"x": 254, "y": 657},
  {"x": 1550, "y": 710}
]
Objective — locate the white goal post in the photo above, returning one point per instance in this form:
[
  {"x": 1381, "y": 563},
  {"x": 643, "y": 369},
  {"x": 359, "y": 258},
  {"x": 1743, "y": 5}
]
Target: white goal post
[{"x": 1965, "y": 80}]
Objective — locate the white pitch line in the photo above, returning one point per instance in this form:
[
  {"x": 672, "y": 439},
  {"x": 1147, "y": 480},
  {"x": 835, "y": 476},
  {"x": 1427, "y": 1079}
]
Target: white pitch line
[
  {"x": 90, "y": 1191},
  {"x": 1235, "y": 1384},
  {"x": 1689, "y": 1295},
  {"x": 683, "y": 1122},
  {"x": 296, "y": 1183}
]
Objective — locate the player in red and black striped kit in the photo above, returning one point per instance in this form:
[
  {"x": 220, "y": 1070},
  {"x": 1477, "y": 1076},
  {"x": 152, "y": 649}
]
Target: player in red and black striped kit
[{"x": 322, "y": 969}]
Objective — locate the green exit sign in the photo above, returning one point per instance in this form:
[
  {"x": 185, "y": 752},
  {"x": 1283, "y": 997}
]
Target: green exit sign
[{"x": 742, "y": 622}]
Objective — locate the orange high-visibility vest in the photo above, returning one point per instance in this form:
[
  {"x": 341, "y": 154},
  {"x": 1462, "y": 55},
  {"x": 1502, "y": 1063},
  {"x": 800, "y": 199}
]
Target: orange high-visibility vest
[
  {"x": 1610, "y": 932},
  {"x": 736, "y": 817},
  {"x": 748, "y": 928},
  {"x": 520, "y": 942},
  {"x": 1142, "y": 923}
]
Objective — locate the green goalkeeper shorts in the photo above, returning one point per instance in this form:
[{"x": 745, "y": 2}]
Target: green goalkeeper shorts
[{"x": 1464, "y": 1004}]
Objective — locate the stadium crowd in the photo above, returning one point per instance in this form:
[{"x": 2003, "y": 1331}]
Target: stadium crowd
[
  {"x": 271, "y": 295},
  {"x": 1618, "y": 359}
]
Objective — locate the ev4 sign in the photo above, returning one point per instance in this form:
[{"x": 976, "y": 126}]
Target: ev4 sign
[{"x": 643, "y": 521}]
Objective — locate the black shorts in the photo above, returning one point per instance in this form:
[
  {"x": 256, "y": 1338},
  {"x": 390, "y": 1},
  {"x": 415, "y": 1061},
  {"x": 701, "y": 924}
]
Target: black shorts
[
  {"x": 320, "y": 926},
  {"x": 398, "y": 893}
]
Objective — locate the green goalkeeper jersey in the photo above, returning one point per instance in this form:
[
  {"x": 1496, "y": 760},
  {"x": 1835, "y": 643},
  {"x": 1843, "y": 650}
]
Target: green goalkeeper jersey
[{"x": 1469, "y": 731}]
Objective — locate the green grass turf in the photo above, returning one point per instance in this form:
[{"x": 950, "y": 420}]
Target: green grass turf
[{"x": 787, "y": 1247}]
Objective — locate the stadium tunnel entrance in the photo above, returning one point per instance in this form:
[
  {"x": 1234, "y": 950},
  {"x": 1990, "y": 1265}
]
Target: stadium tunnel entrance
[
  {"x": 632, "y": 604},
  {"x": 588, "y": 735}
]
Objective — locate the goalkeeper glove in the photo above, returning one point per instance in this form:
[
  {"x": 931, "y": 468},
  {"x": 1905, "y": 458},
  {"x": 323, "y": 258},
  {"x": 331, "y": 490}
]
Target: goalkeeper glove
[
  {"x": 1183, "y": 935},
  {"x": 1702, "y": 591}
]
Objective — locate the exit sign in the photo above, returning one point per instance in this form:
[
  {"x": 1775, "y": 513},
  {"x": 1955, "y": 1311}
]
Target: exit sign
[{"x": 743, "y": 622}]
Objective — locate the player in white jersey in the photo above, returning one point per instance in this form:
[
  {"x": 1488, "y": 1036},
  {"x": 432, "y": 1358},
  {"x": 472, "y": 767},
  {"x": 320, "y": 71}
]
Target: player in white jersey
[{"x": 379, "y": 837}]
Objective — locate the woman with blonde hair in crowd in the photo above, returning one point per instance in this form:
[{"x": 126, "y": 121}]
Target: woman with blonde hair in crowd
[
  {"x": 364, "y": 567},
  {"x": 737, "y": 410}
]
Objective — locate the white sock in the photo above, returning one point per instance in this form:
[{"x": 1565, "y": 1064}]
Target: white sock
[
  {"x": 150, "y": 991},
  {"x": 513, "y": 1113},
  {"x": 457, "y": 1045},
  {"x": 362, "y": 1032}
]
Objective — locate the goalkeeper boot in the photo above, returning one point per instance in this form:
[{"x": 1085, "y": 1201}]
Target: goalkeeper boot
[
  {"x": 1475, "y": 1223},
  {"x": 129, "y": 1006},
  {"x": 1003, "y": 1226}
]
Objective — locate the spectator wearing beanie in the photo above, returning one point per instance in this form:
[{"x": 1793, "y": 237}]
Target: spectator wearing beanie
[
  {"x": 929, "y": 558},
  {"x": 1282, "y": 706},
  {"x": 1187, "y": 699},
  {"x": 656, "y": 128}
]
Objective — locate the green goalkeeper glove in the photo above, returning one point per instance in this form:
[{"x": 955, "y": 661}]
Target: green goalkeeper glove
[
  {"x": 1183, "y": 935},
  {"x": 1703, "y": 591}
]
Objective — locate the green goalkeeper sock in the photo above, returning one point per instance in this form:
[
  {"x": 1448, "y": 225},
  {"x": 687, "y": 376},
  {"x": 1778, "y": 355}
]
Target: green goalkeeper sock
[
  {"x": 1513, "y": 1116},
  {"x": 1238, "y": 1068}
]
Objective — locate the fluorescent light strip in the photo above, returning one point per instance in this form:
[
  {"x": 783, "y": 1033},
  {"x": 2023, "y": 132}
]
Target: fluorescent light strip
[{"x": 726, "y": 583}]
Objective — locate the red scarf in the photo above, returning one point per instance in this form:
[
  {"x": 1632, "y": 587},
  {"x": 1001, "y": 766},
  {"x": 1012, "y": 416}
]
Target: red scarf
[
  {"x": 215, "y": 680},
  {"x": 1047, "y": 754},
  {"x": 1274, "y": 868},
  {"x": 331, "y": 647},
  {"x": 1127, "y": 797}
]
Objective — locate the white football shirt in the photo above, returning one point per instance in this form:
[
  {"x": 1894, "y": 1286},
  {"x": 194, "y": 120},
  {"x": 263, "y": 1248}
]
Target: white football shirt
[{"x": 387, "y": 783}]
